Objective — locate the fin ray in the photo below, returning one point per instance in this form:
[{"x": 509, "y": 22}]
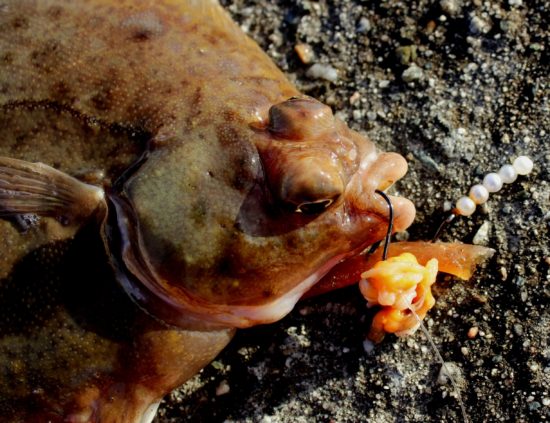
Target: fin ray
[{"x": 40, "y": 189}]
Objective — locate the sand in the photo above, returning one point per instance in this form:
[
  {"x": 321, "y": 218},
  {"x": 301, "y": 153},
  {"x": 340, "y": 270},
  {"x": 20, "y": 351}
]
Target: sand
[{"x": 459, "y": 88}]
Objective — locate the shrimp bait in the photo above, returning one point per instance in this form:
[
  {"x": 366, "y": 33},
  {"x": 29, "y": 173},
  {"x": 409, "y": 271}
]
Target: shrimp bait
[{"x": 399, "y": 284}]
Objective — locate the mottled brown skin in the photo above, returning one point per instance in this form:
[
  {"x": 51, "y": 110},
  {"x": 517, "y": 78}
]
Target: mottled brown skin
[
  {"x": 74, "y": 346},
  {"x": 166, "y": 104},
  {"x": 82, "y": 343}
]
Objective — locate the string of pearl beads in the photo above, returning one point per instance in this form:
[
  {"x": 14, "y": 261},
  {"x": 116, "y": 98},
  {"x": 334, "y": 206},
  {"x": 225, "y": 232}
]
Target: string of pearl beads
[{"x": 492, "y": 182}]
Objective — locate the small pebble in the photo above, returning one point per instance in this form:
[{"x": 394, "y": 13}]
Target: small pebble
[
  {"x": 223, "y": 388},
  {"x": 364, "y": 25},
  {"x": 451, "y": 7},
  {"x": 503, "y": 273},
  {"x": 482, "y": 235},
  {"x": 304, "y": 52},
  {"x": 326, "y": 72},
  {"x": 412, "y": 73},
  {"x": 368, "y": 346},
  {"x": 472, "y": 332},
  {"x": 405, "y": 54},
  {"x": 482, "y": 299},
  {"x": 535, "y": 405},
  {"x": 371, "y": 116},
  {"x": 447, "y": 371},
  {"x": 478, "y": 25},
  {"x": 507, "y": 209},
  {"x": 354, "y": 98},
  {"x": 523, "y": 295}
]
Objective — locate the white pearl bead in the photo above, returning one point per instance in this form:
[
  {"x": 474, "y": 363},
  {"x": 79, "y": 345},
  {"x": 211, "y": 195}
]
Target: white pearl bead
[
  {"x": 465, "y": 206},
  {"x": 492, "y": 182},
  {"x": 479, "y": 194},
  {"x": 508, "y": 174},
  {"x": 523, "y": 165}
]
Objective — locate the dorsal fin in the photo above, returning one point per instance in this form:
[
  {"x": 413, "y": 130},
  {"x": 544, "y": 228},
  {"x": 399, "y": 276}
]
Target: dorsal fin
[{"x": 40, "y": 189}]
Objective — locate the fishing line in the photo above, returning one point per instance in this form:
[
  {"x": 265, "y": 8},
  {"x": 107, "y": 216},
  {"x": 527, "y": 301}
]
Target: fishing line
[
  {"x": 390, "y": 223},
  {"x": 387, "y": 240},
  {"x": 443, "y": 364}
]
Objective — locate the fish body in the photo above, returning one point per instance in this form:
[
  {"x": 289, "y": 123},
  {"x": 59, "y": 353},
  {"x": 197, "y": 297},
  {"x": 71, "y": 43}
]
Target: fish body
[{"x": 225, "y": 195}]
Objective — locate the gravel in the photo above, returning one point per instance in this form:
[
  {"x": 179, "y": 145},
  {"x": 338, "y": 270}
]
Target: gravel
[{"x": 477, "y": 97}]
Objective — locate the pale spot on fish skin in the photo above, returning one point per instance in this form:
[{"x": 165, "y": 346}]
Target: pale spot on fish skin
[{"x": 144, "y": 26}]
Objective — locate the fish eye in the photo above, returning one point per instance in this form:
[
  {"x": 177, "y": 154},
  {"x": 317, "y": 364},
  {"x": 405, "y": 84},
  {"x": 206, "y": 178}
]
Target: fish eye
[
  {"x": 314, "y": 207},
  {"x": 300, "y": 119},
  {"x": 310, "y": 191}
]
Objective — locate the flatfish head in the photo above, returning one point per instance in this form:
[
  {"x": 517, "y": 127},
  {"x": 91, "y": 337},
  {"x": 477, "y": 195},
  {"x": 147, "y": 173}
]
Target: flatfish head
[
  {"x": 230, "y": 226},
  {"x": 249, "y": 191}
]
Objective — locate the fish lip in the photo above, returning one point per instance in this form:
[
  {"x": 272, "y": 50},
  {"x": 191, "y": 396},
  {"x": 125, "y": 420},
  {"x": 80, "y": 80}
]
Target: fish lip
[{"x": 379, "y": 171}]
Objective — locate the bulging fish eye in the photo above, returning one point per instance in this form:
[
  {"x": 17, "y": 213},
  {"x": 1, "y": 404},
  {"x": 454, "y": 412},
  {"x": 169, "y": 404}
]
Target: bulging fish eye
[
  {"x": 302, "y": 166},
  {"x": 300, "y": 118},
  {"x": 314, "y": 207},
  {"x": 310, "y": 185}
]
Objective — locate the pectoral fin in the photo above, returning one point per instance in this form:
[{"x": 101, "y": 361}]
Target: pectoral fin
[{"x": 40, "y": 189}]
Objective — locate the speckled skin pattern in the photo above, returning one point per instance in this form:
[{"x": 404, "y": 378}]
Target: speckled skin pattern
[{"x": 172, "y": 99}]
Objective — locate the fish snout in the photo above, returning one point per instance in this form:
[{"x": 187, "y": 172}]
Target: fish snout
[{"x": 311, "y": 160}]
